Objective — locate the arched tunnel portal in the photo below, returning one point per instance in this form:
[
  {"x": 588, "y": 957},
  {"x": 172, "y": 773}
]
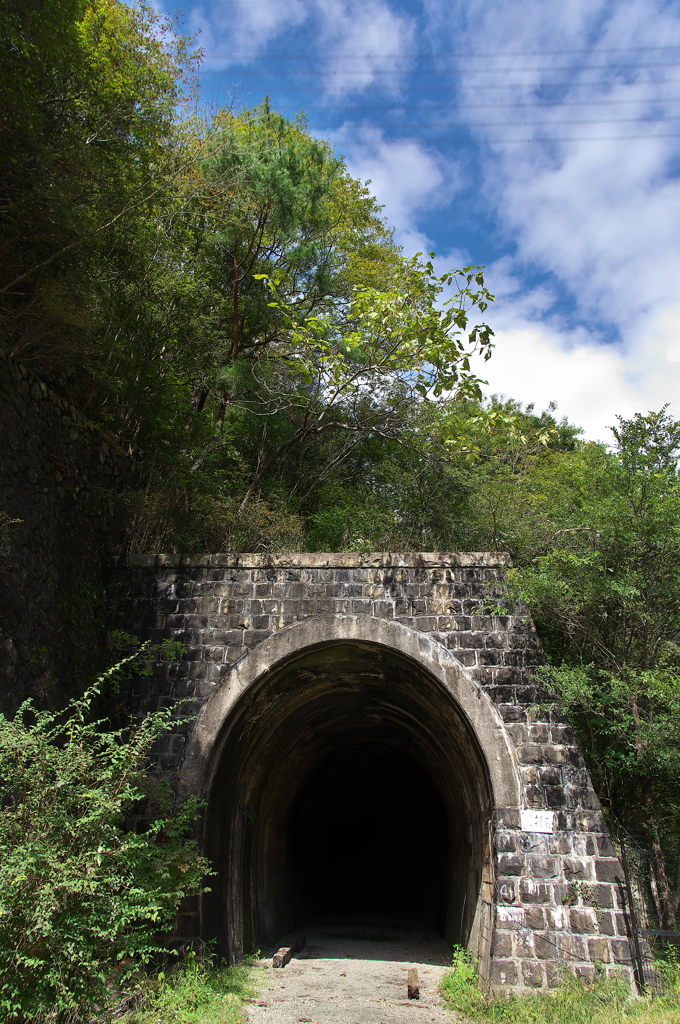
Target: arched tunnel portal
[{"x": 347, "y": 778}]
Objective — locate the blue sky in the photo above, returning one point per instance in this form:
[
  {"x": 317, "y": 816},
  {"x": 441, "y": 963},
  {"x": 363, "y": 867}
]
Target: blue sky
[{"x": 539, "y": 139}]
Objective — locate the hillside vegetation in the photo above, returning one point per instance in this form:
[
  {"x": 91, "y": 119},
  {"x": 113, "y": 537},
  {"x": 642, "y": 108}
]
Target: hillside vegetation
[{"x": 221, "y": 295}]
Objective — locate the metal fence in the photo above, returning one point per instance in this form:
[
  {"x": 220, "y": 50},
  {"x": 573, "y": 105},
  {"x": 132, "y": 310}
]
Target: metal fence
[{"x": 650, "y": 944}]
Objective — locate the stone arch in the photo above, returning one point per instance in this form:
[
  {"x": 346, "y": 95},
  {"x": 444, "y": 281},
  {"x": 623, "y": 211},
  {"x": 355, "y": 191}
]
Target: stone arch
[{"x": 341, "y": 694}]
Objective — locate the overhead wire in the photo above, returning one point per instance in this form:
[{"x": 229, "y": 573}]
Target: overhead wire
[
  {"x": 548, "y": 139},
  {"x": 489, "y": 106},
  {"x": 468, "y": 71},
  {"x": 333, "y": 72},
  {"x": 468, "y": 55}
]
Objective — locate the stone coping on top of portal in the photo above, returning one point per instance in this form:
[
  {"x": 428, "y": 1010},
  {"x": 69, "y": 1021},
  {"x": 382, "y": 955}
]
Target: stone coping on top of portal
[{"x": 322, "y": 560}]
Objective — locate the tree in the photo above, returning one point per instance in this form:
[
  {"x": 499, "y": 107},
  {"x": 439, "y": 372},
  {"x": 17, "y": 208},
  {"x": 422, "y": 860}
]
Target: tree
[
  {"x": 88, "y": 122},
  {"x": 391, "y": 351},
  {"x": 605, "y": 592}
]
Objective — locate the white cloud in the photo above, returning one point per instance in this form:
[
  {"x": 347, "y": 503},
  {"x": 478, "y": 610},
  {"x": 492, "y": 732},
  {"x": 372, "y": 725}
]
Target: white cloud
[
  {"x": 597, "y": 222},
  {"x": 226, "y": 29},
  {"x": 406, "y": 177},
  {"x": 367, "y": 30},
  {"x": 591, "y": 383}
]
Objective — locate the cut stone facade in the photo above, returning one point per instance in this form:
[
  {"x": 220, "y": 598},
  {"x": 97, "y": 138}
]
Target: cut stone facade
[{"x": 554, "y": 897}]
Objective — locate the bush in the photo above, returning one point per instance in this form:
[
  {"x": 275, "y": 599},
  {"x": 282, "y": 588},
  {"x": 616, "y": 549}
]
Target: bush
[{"x": 83, "y": 900}]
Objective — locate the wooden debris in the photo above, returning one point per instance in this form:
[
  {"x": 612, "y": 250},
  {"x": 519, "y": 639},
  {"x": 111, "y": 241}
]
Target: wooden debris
[
  {"x": 413, "y": 986},
  {"x": 285, "y": 953}
]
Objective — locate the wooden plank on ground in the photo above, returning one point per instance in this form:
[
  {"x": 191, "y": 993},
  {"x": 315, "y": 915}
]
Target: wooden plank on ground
[
  {"x": 285, "y": 953},
  {"x": 413, "y": 985}
]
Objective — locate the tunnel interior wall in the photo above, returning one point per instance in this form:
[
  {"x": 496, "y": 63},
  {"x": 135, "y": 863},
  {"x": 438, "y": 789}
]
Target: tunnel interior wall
[{"x": 554, "y": 898}]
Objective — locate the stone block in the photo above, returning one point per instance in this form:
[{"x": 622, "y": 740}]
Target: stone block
[
  {"x": 506, "y": 842},
  {"x": 543, "y": 867},
  {"x": 532, "y": 892},
  {"x": 554, "y": 972},
  {"x": 504, "y": 695},
  {"x": 545, "y": 946},
  {"x": 534, "y": 918},
  {"x": 550, "y": 776},
  {"x": 510, "y": 864},
  {"x": 556, "y": 797},
  {"x": 508, "y": 817},
  {"x": 426, "y": 623},
  {"x": 603, "y": 895},
  {"x": 501, "y": 944},
  {"x": 557, "y": 918},
  {"x": 534, "y": 796},
  {"x": 583, "y": 921},
  {"x": 531, "y": 753},
  {"x": 605, "y": 923},
  {"x": 622, "y": 924},
  {"x": 598, "y": 950},
  {"x": 511, "y": 712},
  {"x": 620, "y": 950},
  {"x": 572, "y": 946},
  {"x": 486, "y": 657},
  {"x": 509, "y": 918},
  {"x": 504, "y": 973},
  {"x": 524, "y": 944},
  {"x": 605, "y": 846},
  {"x": 608, "y": 870},
  {"x": 577, "y": 868}
]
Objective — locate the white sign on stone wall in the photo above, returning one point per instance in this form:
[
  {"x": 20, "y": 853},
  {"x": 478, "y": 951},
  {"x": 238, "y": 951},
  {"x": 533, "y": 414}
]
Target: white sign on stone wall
[{"x": 538, "y": 821}]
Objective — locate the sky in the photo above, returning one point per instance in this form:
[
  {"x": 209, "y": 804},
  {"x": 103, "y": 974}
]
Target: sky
[{"x": 540, "y": 140}]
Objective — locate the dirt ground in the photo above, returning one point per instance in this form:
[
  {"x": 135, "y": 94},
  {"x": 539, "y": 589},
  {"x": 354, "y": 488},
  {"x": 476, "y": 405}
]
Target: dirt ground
[{"x": 355, "y": 974}]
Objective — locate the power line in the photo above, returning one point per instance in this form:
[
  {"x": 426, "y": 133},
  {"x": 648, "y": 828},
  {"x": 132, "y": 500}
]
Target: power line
[
  {"x": 457, "y": 56},
  {"x": 509, "y": 85},
  {"x": 488, "y": 106},
  {"x": 468, "y": 71},
  {"x": 447, "y": 88},
  {"x": 329, "y": 73},
  {"x": 527, "y": 124},
  {"x": 489, "y": 142}
]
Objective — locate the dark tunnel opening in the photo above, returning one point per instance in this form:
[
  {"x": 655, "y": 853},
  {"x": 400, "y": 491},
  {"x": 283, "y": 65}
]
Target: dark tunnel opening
[
  {"x": 347, "y": 782},
  {"x": 369, "y": 839}
]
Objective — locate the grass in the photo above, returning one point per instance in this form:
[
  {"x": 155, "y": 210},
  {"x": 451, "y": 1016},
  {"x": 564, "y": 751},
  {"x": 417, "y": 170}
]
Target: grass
[
  {"x": 605, "y": 1001},
  {"x": 195, "y": 993}
]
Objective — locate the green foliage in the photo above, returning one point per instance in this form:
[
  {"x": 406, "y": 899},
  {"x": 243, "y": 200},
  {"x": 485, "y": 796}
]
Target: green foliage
[
  {"x": 83, "y": 900},
  {"x": 604, "y": 587},
  {"x": 195, "y": 992},
  {"x": 604, "y": 1001},
  {"x": 90, "y": 91}
]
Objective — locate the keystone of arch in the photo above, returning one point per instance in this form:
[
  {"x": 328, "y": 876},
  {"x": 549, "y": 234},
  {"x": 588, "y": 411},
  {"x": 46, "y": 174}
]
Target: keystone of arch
[{"x": 473, "y": 703}]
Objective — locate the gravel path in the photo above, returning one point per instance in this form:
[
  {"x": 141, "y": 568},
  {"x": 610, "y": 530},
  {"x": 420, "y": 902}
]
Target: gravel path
[{"x": 355, "y": 974}]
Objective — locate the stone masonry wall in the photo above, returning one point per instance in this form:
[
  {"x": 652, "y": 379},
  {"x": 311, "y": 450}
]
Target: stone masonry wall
[
  {"x": 58, "y": 476},
  {"x": 559, "y": 895}
]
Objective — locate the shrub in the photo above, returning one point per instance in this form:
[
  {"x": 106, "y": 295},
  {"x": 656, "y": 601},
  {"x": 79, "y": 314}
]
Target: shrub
[
  {"x": 83, "y": 900},
  {"x": 196, "y": 992}
]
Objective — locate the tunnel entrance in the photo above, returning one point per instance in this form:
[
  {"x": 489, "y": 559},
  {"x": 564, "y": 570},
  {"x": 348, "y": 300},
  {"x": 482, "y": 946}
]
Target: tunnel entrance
[
  {"x": 369, "y": 841},
  {"x": 347, "y": 780}
]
